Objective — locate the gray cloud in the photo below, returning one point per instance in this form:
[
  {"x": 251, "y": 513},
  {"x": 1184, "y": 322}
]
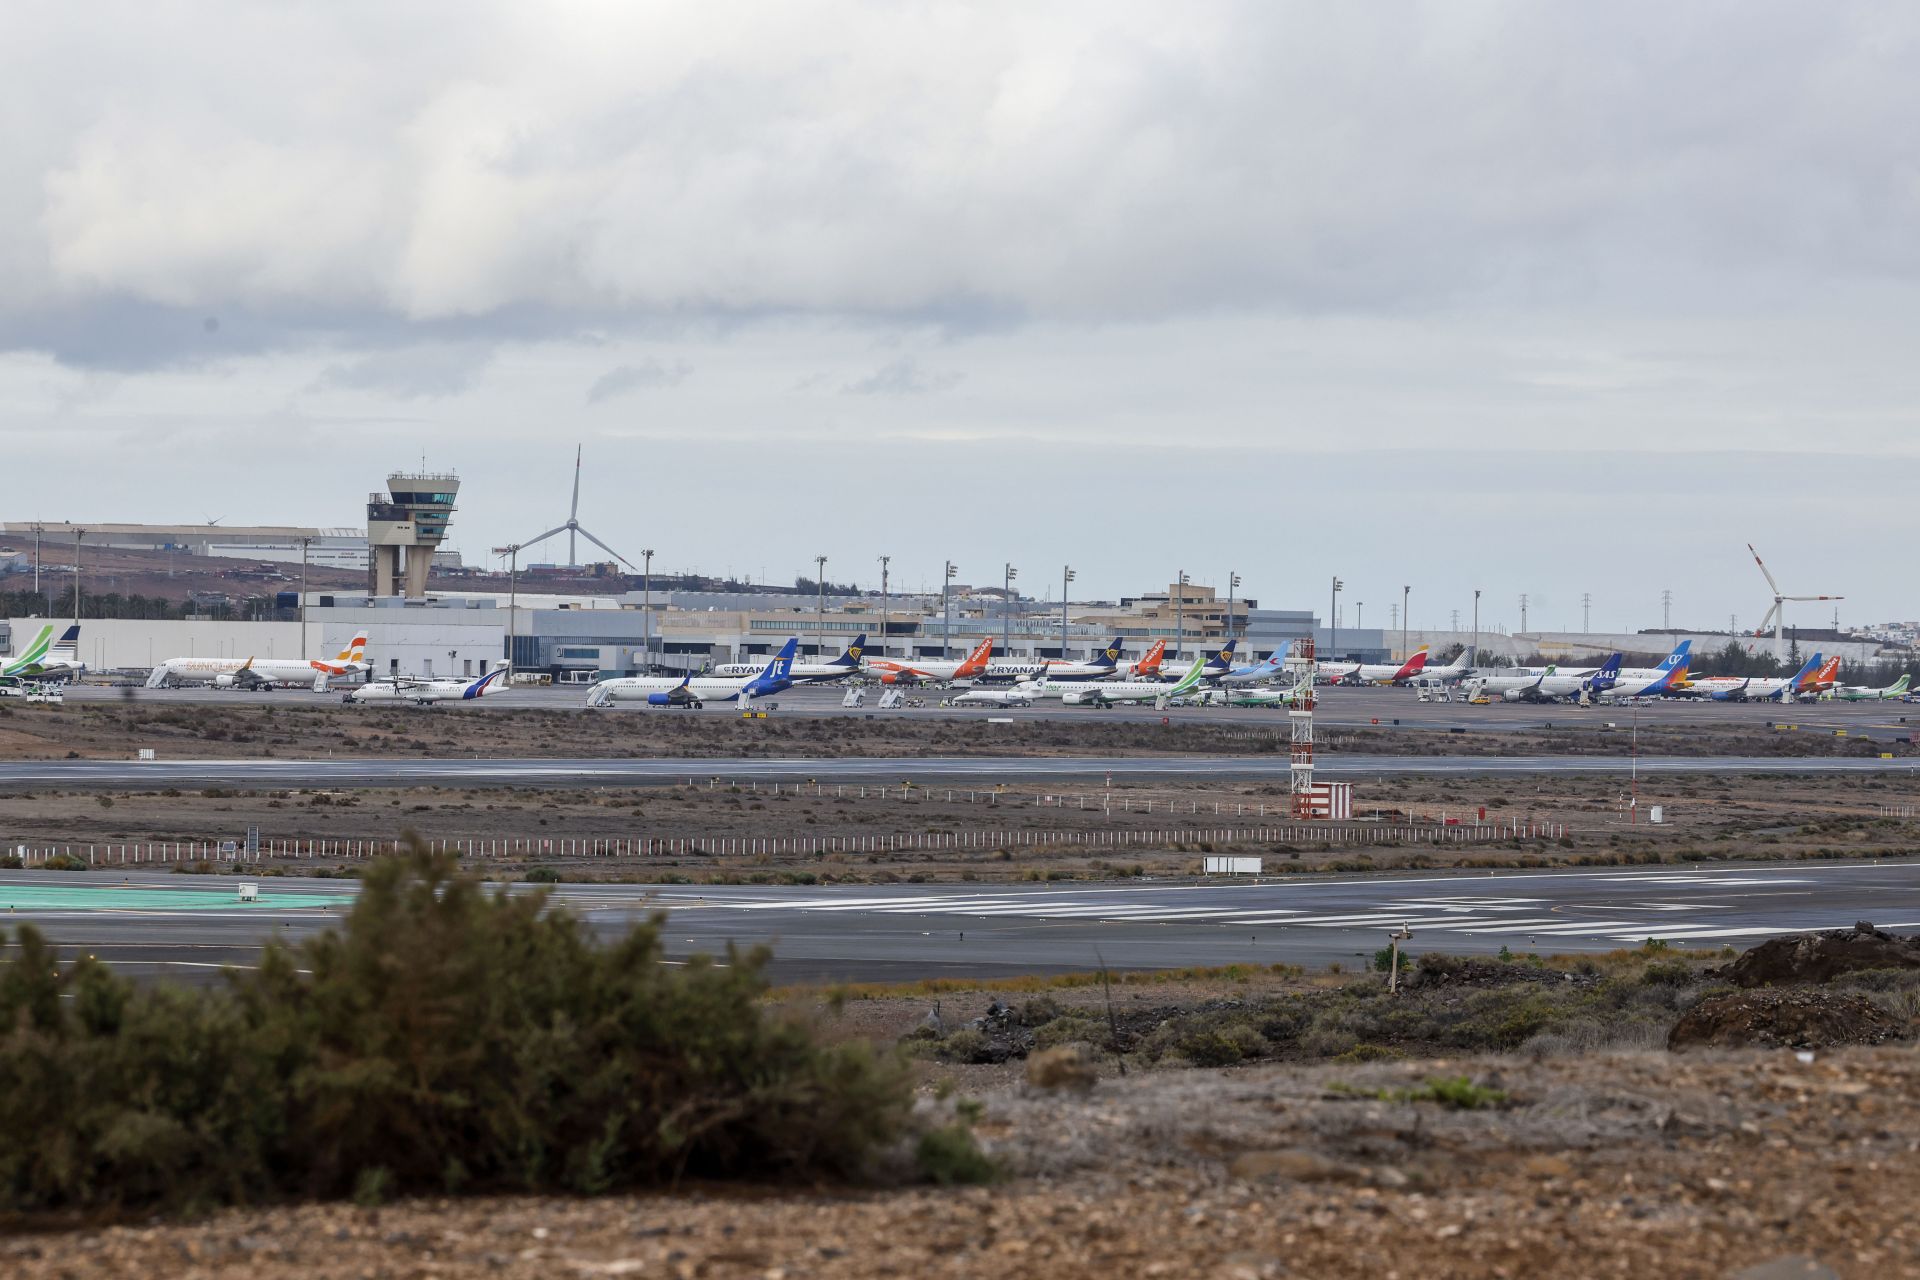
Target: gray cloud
[
  {"x": 903, "y": 377},
  {"x": 638, "y": 376},
  {"x": 410, "y": 373}
]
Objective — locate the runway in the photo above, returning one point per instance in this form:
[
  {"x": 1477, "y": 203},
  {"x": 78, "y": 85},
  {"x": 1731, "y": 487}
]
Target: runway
[
  {"x": 905, "y": 932},
  {"x": 259, "y": 774}
]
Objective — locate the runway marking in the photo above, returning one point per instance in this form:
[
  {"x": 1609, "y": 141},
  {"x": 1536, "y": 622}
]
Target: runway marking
[{"x": 1690, "y": 935}]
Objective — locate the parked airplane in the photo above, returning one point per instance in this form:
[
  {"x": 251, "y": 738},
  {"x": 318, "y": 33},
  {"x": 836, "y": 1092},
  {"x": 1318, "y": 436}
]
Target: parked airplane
[
  {"x": 1375, "y": 672},
  {"x": 1260, "y": 672},
  {"x": 925, "y": 670},
  {"x": 28, "y": 659},
  {"x": 1148, "y": 668},
  {"x": 420, "y": 692},
  {"x": 1242, "y": 695},
  {"x": 994, "y": 698},
  {"x": 847, "y": 664},
  {"x": 1104, "y": 663},
  {"x": 1861, "y": 693},
  {"x": 1670, "y": 677},
  {"x": 261, "y": 673},
  {"x": 1823, "y": 680},
  {"x": 57, "y": 664},
  {"x": 694, "y": 691},
  {"x": 1107, "y": 693},
  {"x": 1549, "y": 686},
  {"x": 1746, "y": 688},
  {"x": 1453, "y": 673}
]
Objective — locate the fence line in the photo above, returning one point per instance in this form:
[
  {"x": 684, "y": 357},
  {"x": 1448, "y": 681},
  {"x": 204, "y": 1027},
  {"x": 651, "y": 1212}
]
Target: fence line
[{"x": 229, "y": 851}]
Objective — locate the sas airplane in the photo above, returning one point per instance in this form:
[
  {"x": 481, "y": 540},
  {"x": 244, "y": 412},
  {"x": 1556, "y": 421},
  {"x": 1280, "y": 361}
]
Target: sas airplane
[
  {"x": 847, "y": 664},
  {"x": 925, "y": 670},
  {"x": 261, "y": 673},
  {"x": 1549, "y": 686},
  {"x": 694, "y": 691},
  {"x": 423, "y": 692}
]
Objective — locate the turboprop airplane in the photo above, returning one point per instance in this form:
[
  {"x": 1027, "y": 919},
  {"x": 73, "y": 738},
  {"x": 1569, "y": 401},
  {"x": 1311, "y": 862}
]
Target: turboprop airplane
[
  {"x": 1861, "y": 693},
  {"x": 694, "y": 691},
  {"x": 261, "y": 673},
  {"x": 423, "y": 691},
  {"x": 929, "y": 670},
  {"x": 847, "y": 664}
]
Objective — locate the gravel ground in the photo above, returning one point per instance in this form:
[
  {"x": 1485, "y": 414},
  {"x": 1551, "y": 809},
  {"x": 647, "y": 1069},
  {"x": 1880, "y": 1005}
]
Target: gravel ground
[{"x": 1622, "y": 1165}]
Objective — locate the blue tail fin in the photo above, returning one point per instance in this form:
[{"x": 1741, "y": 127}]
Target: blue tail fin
[
  {"x": 1800, "y": 676},
  {"x": 851, "y": 658},
  {"x": 1107, "y": 658},
  {"x": 1608, "y": 675},
  {"x": 1678, "y": 656},
  {"x": 1223, "y": 660},
  {"x": 782, "y": 664}
]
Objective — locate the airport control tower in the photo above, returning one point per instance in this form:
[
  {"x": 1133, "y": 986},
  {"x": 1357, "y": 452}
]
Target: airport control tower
[{"x": 411, "y": 517}]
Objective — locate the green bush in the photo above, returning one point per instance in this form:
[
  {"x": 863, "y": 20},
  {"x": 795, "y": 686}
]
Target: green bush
[
  {"x": 446, "y": 1039},
  {"x": 950, "y": 1157},
  {"x": 541, "y": 875}
]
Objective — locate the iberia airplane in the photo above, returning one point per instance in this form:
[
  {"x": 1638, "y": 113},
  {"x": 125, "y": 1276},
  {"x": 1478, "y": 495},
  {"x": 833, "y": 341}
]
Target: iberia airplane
[{"x": 922, "y": 670}]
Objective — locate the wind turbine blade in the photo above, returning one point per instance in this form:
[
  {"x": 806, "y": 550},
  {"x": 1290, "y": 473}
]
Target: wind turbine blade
[
  {"x": 1763, "y": 570},
  {"x": 609, "y": 550},
  {"x": 543, "y": 537},
  {"x": 1767, "y": 622},
  {"x": 1813, "y": 597},
  {"x": 573, "y": 512}
]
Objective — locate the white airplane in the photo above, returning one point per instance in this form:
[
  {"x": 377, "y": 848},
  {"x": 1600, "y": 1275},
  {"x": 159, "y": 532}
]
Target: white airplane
[
  {"x": 695, "y": 691},
  {"x": 421, "y": 692},
  {"x": 1242, "y": 696},
  {"x": 1374, "y": 672},
  {"x": 929, "y": 670},
  {"x": 1105, "y": 663},
  {"x": 1453, "y": 673},
  {"x": 261, "y": 673},
  {"x": 1107, "y": 693},
  {"x": 1548, "y": 686},
  {"x": 1013, "y": 697},
  {"x": 847, "y": 664},
  {"x": 1260, "y": 672}
]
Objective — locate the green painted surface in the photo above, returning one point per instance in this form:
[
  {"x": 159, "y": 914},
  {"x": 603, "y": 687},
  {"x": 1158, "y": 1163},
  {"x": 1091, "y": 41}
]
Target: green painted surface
[{"x": 73, "y": 897}]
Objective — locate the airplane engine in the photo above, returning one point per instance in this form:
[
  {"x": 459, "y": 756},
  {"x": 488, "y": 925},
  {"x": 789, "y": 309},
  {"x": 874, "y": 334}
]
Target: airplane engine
[
  {"x": 224, "y": 682},
  {"x": 1515, "y": 695},
  {"x": 659, "y": 699}
]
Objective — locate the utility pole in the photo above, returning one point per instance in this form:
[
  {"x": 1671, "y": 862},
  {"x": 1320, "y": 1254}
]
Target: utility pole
[
  {"x": 1455, "y": 627},
  {"x": 1404, "y": 651},
  {"x": 1359, "y": 615},
  {"x": 1586, "y": 612},
  {"x": 1393, "y": 617},
  {"x": 1180, "y": 614},
  {"x": 1666, "y": 610},
  {"x": 820, "y": 607},
  {"x": 646, "y": 604},
  {"x": 1066, "y": 576},
  {"x": 1006, "y": 608},
  {"x": 885, "y": 613},
  {"x": 1233, "y": 581},
  {"x": 37, "y": 528},
  {"x": 1333, "y": 619},
  {"x": 1523, "y": 611},
  {"x": 946, "y": 609},
  {"x": 1476, "y": 625}
]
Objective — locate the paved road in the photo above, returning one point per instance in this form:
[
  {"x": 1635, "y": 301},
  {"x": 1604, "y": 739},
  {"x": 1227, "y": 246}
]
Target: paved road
[
  {"x": 116, "y": 775},
  {"x": 903, "y": 932},
  {"x": 1338, "y": 708}
]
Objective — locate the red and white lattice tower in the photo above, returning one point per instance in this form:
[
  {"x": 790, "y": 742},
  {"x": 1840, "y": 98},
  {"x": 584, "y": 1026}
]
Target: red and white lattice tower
[{"x": 1300, "y": 665}]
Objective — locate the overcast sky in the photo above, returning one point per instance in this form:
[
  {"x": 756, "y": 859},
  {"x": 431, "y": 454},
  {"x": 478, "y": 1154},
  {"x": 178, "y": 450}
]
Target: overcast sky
[{"x": 1545, "y": 298}]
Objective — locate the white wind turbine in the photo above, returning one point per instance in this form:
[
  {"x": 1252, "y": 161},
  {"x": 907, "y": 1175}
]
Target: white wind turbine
[
  {"x": 573, "y": 526},
  {"x": 1778, "y": 614}
]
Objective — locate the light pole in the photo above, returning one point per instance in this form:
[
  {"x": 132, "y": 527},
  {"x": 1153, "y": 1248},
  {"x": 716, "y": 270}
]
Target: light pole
[
  {"x": 1359, "y": 615},
  {"x": 946, "y": 611},
  {"x": 1333, "y": 619},
  {"x": 646, "y": 604},
  {"x": 512, "y": 552},
  {"x": 820, "y": 608},
  {"x": 885, "y": 613},
  {"x": 1475, "y": 654},
  {"x": 1233, "y": 580},
  {"x": 1523, "y": 611},
  {"x": 1066, "y": 576},
  {"x": 1180, "y": 614},
  {"x": 304, "y": 544},
  {"x": 1403, "y": 622},
  {"x": 1006, "y": 608},
  {"x": 37, "y": 527},
  {"x": 77, "y": 535}
]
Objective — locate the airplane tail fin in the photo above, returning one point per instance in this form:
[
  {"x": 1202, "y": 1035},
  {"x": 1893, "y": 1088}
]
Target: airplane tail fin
[
  {"x": 782, "y": 663},
  {"x": 851, "y": 658},
  {"x": 356, "y": 648},
  {"x": 68, "y": 648},
  {"x": 1108, "y": 658},
  {"x": 1608, "y": 674},
  {"x": 1413, "y": 665},
  {"x": 1898, "y": 687},
  {"x": 1223, "y": 659},
  {"x": 1192, "y": 678},
  {"x": 976, "y": 661},
  {"x": 1150, "y": 664}
]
